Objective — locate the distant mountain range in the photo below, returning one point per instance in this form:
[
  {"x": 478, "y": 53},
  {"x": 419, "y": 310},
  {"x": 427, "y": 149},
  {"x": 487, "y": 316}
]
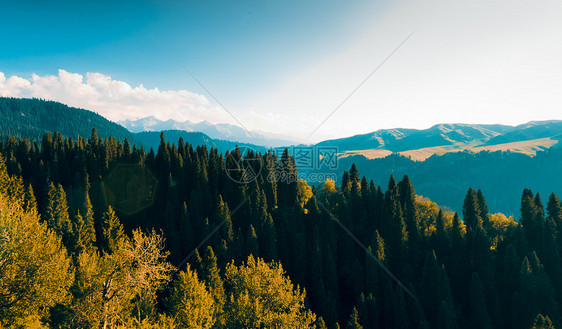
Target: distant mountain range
[
  {"x": 220, "y": 131},
  {"x": 444, "y": 138}
]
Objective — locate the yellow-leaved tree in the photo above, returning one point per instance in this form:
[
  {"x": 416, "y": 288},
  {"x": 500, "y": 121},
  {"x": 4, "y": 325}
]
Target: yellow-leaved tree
[
  {"x": 112, "y": 287},
  {"x": 35, "y": 270},
  {"x": 261, "y": 296},
  {"x": 190, "y": 304}
]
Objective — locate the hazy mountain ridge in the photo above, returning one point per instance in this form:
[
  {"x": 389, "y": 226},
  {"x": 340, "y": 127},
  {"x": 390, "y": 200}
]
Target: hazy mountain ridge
[
  {"x": 152, "y": 140},
  {"x": 221, "y": 131}
]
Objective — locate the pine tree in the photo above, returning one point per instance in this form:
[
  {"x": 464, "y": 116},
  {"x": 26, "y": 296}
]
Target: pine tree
[
  {"x": 408, "y": 200},
  {"x": 525, "y": 300},
  {"x": 80, "y": 243},
  {"x": 554, "y": 209},
  {"x": 353, "y": 322},
  {"x": 471, "y": 210},
  {"x": 30, "y": 203},
  {"x": 478, "y": 313},
  {"x": 345, "y": 183},
  {"x": 482, "y": 206},
  {"x": 87, "y": 212},
  {"x": 354, "y": 181},
  {"x": 542, "y": 322},
  {"x": 252, "y": 247},
  {"x": 483, "y": 210},
  {"x": 439, "y": 238},
  {"x": 529, "y": 217},
  {"x": 210, "y": 274},
  {"x": 223, "y": 215},
  {"x": 446, "y": 318},
  {"x": 434, "y": 287},
  {"x": 56, "y": 213},
  {"x": 320, "y": 324},
  {"x": 112, "y": 231}
]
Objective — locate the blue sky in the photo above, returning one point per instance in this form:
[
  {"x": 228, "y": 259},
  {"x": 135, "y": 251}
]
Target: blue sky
[
  {"x": 224, "y": 43},
  {"x": 283, "y": 66}
]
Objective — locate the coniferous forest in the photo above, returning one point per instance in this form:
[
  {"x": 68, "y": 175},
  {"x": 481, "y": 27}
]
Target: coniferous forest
[{"x": 97, "y": 233}]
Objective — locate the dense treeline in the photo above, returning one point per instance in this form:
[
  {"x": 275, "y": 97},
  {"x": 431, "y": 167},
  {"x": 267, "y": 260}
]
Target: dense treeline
[{"x": 271, "y": 254}]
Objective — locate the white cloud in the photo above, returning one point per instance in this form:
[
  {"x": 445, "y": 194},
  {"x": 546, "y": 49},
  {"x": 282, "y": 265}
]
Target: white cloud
[{"x": 114, "y": 99}]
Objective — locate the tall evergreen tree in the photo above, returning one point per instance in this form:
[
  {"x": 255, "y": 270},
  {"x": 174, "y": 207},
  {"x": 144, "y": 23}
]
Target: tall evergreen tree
[
  {"x": 210, "y": 274},
  {"x": 353, "y": 322},
  {"x": 542, "y": 322},
  {"x": 471, "y": 210},
  {"x": 478, "y": 313},
  {"x": 112, "y": 231},
  {"x": 56, "y": 213},
  {"x": 446, "y": 318},
  {"x": 434, "y": 287}
]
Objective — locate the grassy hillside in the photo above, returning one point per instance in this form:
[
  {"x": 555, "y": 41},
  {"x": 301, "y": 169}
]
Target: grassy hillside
[{"x": 444, "y": 138}]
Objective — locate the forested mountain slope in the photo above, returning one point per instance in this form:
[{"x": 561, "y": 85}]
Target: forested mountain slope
[{"x": 33, "y": 118}]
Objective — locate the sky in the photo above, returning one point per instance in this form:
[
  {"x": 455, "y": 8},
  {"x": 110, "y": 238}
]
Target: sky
[{"x": 284, "y": 66}]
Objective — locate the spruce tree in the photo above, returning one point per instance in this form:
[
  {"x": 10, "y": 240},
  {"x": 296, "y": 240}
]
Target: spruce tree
[
  {"x": 56, "y": 213},
  {"x": 320, "y": 324},
  {"x": 554, "y": 209},
  {"x": 446, "y": 318},
  {"x": 434, "y": 287},
  {"x": 478, "y": 313},
  {"x": 30, "y": 203},
  {"x": 471, "y": 210},
  {"x": 87, "y": 212},
  {"x": 112, "y": 232},
  {"x": 210, "y": 274},
  {"x": 252, "y": 247},
  {"x": 542, "y": 322},
  {"x": 353, "y": 322}
]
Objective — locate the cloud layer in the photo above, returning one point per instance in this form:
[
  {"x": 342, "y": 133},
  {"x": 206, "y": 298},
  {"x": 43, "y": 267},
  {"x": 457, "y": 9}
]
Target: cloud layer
[{"x": 116, "y": 100}]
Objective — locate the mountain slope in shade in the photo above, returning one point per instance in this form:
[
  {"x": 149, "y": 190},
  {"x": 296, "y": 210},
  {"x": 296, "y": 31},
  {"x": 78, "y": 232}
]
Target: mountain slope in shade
[
  {"x": 32, "y": 118},
  {"x": 221, "y": 131},
  {"x": 531, "y": 130}
]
